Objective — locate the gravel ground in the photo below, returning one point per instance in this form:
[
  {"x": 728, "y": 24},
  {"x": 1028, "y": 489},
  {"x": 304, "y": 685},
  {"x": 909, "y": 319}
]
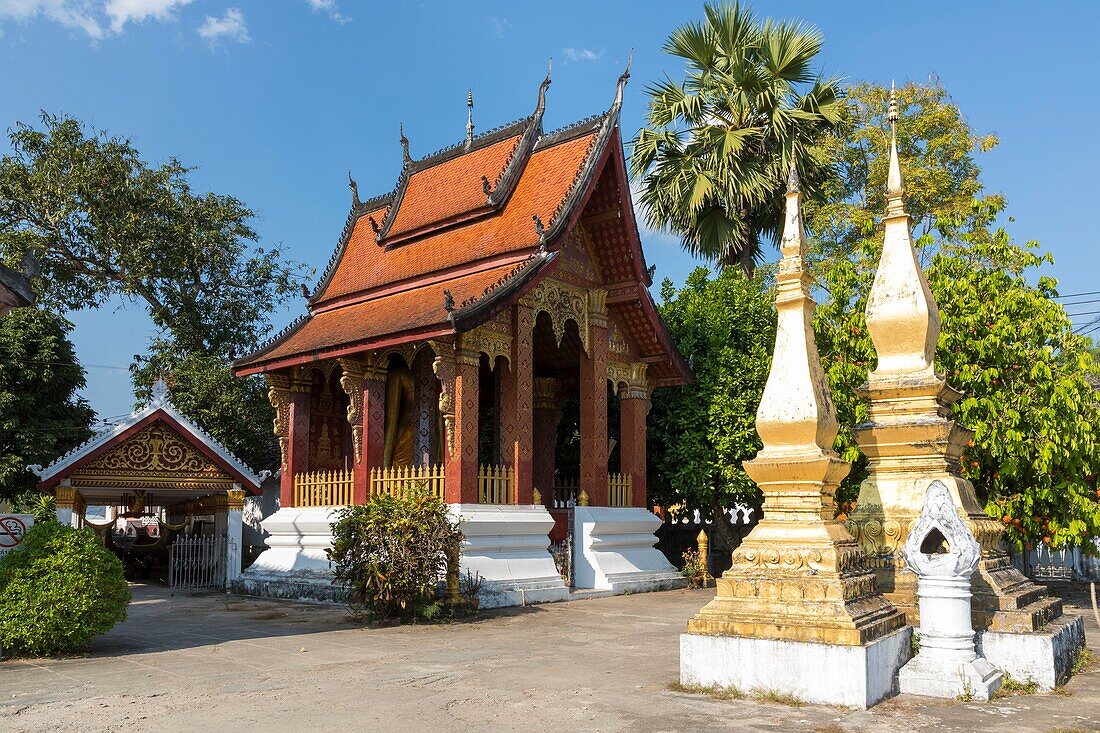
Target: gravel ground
[{"x": 212, "y": 663}]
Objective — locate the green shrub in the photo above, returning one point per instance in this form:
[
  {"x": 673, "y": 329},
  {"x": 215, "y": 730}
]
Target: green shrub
[
  {"x": 391, "y": 555},
  {"x": 60, "y": 591}
]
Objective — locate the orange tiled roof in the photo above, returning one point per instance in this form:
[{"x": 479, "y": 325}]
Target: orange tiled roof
[
  {"x": 547, "y": 178},
  {"x": 451, "y": 188},
  {"x": 415, "y": 310},
  {"x": 445, "y": 229}
]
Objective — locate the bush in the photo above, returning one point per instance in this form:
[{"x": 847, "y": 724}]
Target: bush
[
  {"x": 60, "y": 591},
  {"x": 391, "y": 555}
]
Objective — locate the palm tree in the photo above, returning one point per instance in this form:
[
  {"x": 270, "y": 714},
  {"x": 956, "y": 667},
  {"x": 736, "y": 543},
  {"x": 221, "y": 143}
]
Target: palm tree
[{"x": 717, "y": 148}]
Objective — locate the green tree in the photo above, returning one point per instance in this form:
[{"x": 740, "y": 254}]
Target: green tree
[
  {"x": 1005, "y": 341},
  {"x": 701, "y": 432},
  {"x": 41, "y": 414},
  {"x": 101, "y": 223},
  {"x": 717, "y": 147}
]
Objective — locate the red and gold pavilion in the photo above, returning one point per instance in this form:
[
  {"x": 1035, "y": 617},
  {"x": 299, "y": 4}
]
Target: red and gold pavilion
[{"x": 501, "y": 279}]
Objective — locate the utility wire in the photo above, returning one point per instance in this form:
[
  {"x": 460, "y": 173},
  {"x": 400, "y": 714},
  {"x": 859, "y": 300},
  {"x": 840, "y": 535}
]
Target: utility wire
[{"x": 1077, "y": 295}]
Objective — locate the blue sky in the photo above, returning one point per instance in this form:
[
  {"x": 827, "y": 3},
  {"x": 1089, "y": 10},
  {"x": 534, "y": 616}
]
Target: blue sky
[{"x": 273, "y": 101}]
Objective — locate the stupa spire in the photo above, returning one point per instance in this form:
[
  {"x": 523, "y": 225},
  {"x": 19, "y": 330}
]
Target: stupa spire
[{"x": 901, "y": 313}]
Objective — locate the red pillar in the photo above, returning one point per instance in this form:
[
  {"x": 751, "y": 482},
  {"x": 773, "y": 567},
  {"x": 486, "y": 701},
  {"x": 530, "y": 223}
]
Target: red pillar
[
  {"x": 593, "y": 388},
  {"x": 373, "y": 434},
  {"x": 461, "y": 480},
  {"x": 518, "y": 404},
  {"x": 633, "y": 408},
  {"x": 298, "y": 439},
  {"x": 547, "y": 414}
]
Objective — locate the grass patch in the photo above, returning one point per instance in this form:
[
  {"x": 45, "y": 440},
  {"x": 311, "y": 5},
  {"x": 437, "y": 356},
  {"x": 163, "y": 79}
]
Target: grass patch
[
  {"x": 1082, "y": 662},
  {"x": 829, "y": 728},
  {"x": 778, "y": 697},
  {"x": 716, "y": 692},
  {"x": 1011, "y": 686}
]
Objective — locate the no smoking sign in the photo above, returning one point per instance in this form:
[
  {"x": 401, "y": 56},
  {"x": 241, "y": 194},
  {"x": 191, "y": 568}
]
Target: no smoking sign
[{"x": 12, "y": 529}]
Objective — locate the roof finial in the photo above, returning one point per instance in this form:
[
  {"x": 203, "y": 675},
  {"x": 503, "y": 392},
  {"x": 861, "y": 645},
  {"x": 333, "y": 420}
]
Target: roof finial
[
  {"x": 541, "y": 105},
  {"x": 354, "y": 189},
  {"x": 404, "y": 145},
  {"x": 622, "y": 80},
  {"x": 469, "y": 118},
  {"x": 160, "y": 391},
  {"x": 895, "y": 186},
  {"x": 448, "y": 301}
]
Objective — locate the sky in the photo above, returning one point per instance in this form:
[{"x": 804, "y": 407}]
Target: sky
[{"x": 274, "y": 100}]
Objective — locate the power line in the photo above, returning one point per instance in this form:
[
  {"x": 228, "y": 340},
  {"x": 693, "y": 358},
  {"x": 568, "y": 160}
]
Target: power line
[
  {"x": 1083, "y": 313},
  {"x": 1077, "y": 295},
  {"x": 69, "y": 363},
  {"x": 1080, "y": 302}
]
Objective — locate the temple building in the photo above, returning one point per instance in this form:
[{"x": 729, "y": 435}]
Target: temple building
[{"x": 484, "y": 331}]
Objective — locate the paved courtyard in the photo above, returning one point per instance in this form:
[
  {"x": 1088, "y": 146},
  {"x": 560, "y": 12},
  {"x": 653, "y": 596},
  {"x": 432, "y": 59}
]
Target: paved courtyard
[{"x": 212, "y": 663}]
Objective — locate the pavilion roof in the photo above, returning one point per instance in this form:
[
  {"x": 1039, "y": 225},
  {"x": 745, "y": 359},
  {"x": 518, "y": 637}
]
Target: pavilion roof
[
  {"x": 159, "y": 409},
  {"x": 465, "y": 232}
]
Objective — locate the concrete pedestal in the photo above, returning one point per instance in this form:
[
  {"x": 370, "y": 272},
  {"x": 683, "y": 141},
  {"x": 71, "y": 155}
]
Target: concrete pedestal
[
  {"x": 295, "y": 565},
  {"x": 1044, "y": 657},
  {"x": 508, "y": 546},
  {"x": 614, "y": 551},
  {"x": 974, "y": 679},
  {"x": 829, "y": 674}
]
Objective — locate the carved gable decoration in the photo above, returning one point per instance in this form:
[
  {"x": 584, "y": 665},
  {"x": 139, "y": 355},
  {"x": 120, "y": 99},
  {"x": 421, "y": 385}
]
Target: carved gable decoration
[
  {"x": 563, "y": 302},
  {"x": 155, "y": 456},
  {"x": 576, "y": 263}
]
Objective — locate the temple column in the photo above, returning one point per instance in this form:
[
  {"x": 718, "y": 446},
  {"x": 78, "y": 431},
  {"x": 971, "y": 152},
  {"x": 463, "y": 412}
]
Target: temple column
[
  {"x": 365, "y": 385},
  {"x": 458, "y": 373},
  {"x": 425, "y": 453},
  {"x": 516, "y": 405},
  {"x": 546, "y": 409},
  {"x": 66, "y": 503},
  {"x": 234, "y": 532},
  {"x": 297, "y": 459},
  {"x": 593, "y": 413},
  {"x": 633, "y": 409},
  {"x": 289, "y": 395}
]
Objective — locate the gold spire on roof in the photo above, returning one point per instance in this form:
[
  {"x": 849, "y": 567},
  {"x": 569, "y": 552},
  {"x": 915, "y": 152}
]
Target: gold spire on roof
[{"x": 469, "y": 118}]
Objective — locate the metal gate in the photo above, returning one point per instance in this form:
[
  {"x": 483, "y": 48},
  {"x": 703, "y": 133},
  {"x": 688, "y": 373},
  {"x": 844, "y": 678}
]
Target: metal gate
[{"x": 197, "y": 563}]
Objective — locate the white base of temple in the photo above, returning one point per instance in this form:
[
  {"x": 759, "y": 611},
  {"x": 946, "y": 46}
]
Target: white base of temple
[
  {"x": 829, "y": 674},
  {"x": 973, "y": 679},
  {"x": 1044, "y": 657},
  {"x": 614, "y": 551},
  {"x": 508, "y": 547},
  {"x": 295, "y": 565}
]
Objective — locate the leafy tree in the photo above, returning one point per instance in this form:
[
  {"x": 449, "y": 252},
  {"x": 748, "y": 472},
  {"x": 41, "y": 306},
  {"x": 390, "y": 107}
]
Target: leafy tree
[
  {"x": 717, "y": 147},
  {"x": 701, "y": 432},
  {"x": 101, "y": 222},
  {"x": 41, "y": 415},
  {"x": 1005, "y": 341}
]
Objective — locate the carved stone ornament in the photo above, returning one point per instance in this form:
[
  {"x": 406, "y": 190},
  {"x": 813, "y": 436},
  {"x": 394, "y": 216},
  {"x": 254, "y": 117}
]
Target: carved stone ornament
[
  {"x": 278, "y": 394},
  {"x": 562, "y": 302},
  {"x": 633, "y": 375},
  {"x": 940, "y": 544},
  {"x": 444, "y": 369},
  {"x": 492, "y": 339}
]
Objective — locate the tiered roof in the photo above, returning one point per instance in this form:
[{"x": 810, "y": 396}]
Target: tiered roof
[{"x": 470, "y": 229}]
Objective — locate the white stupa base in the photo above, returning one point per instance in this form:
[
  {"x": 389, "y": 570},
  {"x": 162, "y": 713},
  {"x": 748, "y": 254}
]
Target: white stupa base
[
  {"x": 931, "y": 676},
  {"x": 508, "y": 546},
  {"x": 829, "y": 674},
  {"x": 295, "y": 565},
  {"x": 1045, "y": 657},
  {"x": 614, "y": 551}
]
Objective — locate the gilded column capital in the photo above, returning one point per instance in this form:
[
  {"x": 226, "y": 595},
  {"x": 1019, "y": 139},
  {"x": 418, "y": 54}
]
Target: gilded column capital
[
  {"x": 234, "y": 498},
  {"x": 597, "y": 307},
  {"x": 64, "y": 497},
  {"x": 545, "y": 392}
]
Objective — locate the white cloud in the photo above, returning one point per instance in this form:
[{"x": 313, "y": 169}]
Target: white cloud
[
  {"x": 72, "y": 14},
  {"x": 229, "y": 27},
  {"x": 499, "y": 26},
  {"x": 122, "y": 12},
  {"x": 98, "y": 19},
  {"x": 582, "y": 54},
  {"x": 330, "y": 8}
]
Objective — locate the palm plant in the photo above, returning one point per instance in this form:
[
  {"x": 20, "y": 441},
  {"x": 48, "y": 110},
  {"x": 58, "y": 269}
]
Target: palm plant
[{"x": 717, "y": 148}]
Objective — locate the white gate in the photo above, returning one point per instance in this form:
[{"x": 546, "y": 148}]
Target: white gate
[{"x": 198, "y": 563}]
